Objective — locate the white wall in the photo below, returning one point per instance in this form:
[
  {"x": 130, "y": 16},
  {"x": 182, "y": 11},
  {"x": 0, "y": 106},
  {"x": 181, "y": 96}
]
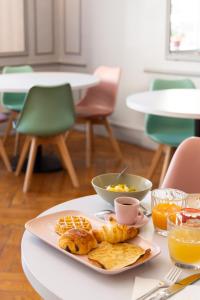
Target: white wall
[{"x": 130, "y": 34}]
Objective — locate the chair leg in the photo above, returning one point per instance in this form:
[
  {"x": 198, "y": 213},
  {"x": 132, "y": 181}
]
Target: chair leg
[
  {"x": 88, "y": 143},
  {"x": 22, "y": 156},
  {"x": 30, "y": 166},
  {"x": 168, "y": 156},
  {"x": 16, "y": 146},
  {"x": 5, "y": 157},
  {"x": 155, "y": 161},
  {"x": 112, "y": 139},
  {"x": 66, "y": 135},
  {"x": 67, "y": 160},
  {"x": 8, "y": 128}
]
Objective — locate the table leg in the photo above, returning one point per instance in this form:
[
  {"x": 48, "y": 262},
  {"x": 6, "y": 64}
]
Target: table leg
[
  {"x": 197, "y": 127},
  {"x": 43, "y": 163}
]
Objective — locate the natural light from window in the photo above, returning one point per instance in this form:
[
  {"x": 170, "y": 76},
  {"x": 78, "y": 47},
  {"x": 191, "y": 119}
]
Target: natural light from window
[{"x": 185, "y": 26}]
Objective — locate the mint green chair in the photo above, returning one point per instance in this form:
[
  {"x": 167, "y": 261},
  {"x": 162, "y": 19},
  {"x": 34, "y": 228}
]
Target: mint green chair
[
  {"x": 167, "y": 132},
  {"x": 14, "y": 101},
  {"x": 48, "y": 113}
]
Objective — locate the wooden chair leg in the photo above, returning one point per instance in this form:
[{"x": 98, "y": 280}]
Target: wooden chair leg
[
  {"x": 67, "y": 160},
  {"x": 155, "y": 161},
  {"x": 8, "y": 128},
  {"x": 112, "y": 139},
  {"x": 168, "y": 156},
  {"x": 16, "y": 146},
  {"x": 88, "y": 143},
  {"x": 22, "y": 156},
  {"x": 30, "y": 166},
  {"x": 5, "y": 157},
  {"x": 66, "y": 135}
]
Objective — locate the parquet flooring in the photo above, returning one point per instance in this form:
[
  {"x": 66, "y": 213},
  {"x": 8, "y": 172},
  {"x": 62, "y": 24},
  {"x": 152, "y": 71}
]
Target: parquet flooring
[{"x": 48, "y": 190}]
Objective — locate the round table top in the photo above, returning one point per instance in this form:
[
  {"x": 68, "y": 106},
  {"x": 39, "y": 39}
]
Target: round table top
[
  {"x": 179, "y": 103},
  {"x": 56, "y": 276},
  {"x": 22, "y": 82}
]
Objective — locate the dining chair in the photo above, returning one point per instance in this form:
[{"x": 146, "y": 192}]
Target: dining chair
[
  {"x": 47, "y": 114},
  {"x": 166, "y": 131},
  {"x": 14, "y": 102},
  {"x": 184, "y": 169},
  {"x": 97, "y": 105},
  {"x": 3, "y": 119}
]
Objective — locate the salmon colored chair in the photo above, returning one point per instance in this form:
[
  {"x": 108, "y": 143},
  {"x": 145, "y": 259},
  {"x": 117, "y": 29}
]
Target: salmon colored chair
[
  {"x": 97, "y": 105},
  {"x": 184, "y": 170}
]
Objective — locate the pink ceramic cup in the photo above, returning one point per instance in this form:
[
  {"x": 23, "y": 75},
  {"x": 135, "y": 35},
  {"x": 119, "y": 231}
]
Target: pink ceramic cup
[{"x": 127, "y": 210}]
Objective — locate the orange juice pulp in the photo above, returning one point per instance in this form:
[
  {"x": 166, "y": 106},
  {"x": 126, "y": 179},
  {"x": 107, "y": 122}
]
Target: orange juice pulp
[
  {"x": 184, "y": 245},
  {"x": 160, "y": 213}
]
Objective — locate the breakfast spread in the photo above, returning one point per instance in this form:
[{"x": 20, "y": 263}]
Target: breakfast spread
[
  {"x": 120, "y": 188},
  {"x": 104, "y": 246}
]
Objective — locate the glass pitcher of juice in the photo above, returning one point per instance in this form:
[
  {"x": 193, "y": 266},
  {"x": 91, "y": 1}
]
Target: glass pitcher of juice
[
  {"x": 165, "y": 202},
  {"x": 184, "y": 238}
]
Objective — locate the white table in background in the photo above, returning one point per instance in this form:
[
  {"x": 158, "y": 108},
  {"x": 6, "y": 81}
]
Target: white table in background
[
  {"x": 22, "y": 82},
  {"x": 55, "y": 276},
  {"x": 178, "y": 103}
]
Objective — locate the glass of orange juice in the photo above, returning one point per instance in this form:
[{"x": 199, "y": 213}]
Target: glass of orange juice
[
  {"x": 184, "y": 238},
  {"x": 165, "y": 202}
]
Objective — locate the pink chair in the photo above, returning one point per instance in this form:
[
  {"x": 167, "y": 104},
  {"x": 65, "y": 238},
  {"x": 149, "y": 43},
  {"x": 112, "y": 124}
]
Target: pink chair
[
  {"x": 97, "y": 105},
  {"x": 184, "y": 170}
]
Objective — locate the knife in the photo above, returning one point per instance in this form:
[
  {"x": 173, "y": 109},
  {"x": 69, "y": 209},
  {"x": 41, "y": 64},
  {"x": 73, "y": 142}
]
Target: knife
[{"x": 177, "y": 287}]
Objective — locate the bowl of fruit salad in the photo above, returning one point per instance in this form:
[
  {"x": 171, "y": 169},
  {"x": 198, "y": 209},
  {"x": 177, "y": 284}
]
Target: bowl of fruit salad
[{"x": 110, "y": 186}]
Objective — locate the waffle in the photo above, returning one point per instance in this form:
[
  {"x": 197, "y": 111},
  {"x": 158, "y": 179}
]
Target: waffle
[{"x": 70, "y": 222}]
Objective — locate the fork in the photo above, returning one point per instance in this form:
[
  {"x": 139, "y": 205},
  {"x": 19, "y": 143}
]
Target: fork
[{"x": 170, "y": 278}]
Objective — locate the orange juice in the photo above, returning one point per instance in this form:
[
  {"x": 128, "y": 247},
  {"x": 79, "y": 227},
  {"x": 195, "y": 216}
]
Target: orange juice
[
  {"x": 160, "y": 213},
  {"x": 184, "y": 245}
]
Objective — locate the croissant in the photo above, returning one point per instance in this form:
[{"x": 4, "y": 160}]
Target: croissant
[
  {"x": 114, "y": 233},
  {"x": 77, "y": 241}
]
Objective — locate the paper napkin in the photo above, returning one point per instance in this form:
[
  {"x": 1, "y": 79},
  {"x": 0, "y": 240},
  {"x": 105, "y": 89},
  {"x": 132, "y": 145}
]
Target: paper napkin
[{"x": 143, "y": 285}]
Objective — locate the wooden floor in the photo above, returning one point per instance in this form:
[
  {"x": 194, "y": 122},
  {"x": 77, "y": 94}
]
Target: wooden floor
[{"x": 48, "y": 190}]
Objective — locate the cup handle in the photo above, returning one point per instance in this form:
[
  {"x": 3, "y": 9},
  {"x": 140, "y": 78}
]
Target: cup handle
[{"x": 140, "y": 216}]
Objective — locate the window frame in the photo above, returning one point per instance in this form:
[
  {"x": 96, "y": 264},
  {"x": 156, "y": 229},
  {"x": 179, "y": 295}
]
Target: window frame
[
  {"x": 25, "y": 51},
  {"x": 176, "y": 55}
]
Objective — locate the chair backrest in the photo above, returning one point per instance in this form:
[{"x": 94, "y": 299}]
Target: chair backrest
[
  {"x": 153, "y": 121},
  {"x": 9, "y": 98},
  {"x": 184, "y": 169},
  {"x": 47, "y": 111},
  {"x": 105, "y": 93}
]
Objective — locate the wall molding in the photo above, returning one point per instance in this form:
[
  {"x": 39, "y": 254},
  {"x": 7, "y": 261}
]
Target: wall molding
[
  {"x": 26, "y": 44},
  {"x": 76, "y": 53},
  {"x": 172, "y": 72},
  {"x": 52, "y": 51}
]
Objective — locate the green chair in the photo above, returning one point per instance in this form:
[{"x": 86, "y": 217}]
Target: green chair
[
  {"x": 166, "y": 131},
  {"x": 14, "y": 101},
  {"x": 47, "y": 114}
]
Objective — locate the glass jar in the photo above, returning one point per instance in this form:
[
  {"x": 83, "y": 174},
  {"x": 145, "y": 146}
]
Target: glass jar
[
  {"x": 184, "y": 238},
  {"x": 165, "y": 202}
]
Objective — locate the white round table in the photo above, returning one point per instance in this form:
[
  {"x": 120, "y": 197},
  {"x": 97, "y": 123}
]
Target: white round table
[
  {"x": 22, "y": 82},
  {"x": 55, "y": 276},
  {"x": 179, "y": 103}
]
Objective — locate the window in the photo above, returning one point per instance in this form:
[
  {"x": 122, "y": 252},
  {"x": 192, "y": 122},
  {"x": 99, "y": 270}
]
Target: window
[
  {"x": 184, "y": 29},
  {"x": 12, "y": 27}
]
